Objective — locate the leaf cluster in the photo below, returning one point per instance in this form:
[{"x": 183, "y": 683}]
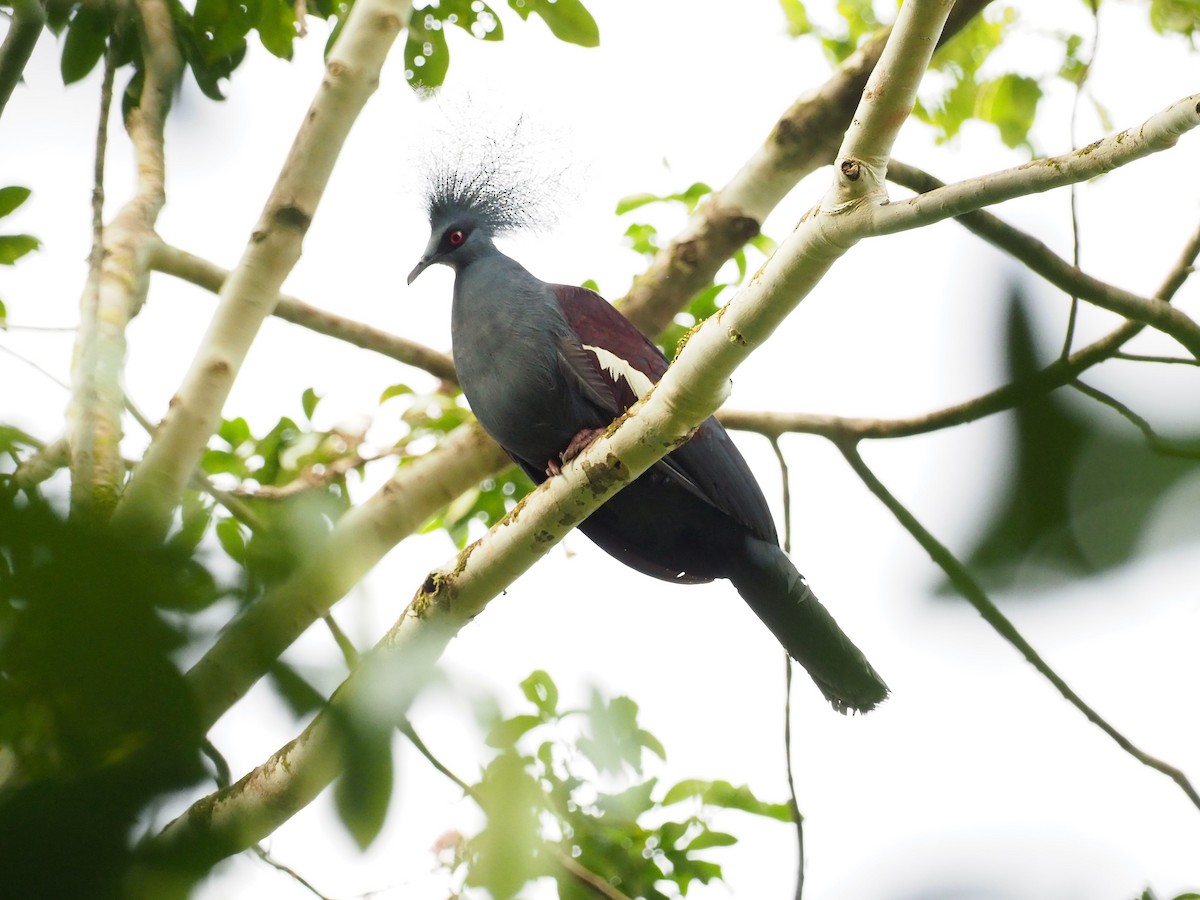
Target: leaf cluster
[
  {"x": 96, "y": 720},
  {"x": 567, "y": 791}
]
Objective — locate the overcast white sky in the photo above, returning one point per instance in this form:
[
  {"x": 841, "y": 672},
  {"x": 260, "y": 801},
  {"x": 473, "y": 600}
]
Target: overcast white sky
[{"x": 975, "y": 779}]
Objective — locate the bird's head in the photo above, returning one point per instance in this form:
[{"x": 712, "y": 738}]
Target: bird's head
[
  {"x": 485, "y": 184},
  {"x": 452, "y": 242}
]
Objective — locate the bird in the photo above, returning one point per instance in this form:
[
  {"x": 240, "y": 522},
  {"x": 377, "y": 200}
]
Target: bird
[{"x": 547, "y": 367}]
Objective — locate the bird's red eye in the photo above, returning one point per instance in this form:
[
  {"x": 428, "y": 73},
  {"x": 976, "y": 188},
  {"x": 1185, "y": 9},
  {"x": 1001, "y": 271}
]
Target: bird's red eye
[{"x": 456, "y": 238}]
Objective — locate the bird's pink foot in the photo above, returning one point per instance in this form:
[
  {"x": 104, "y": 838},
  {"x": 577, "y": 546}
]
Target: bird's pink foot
[{"x": 577, "y": 445}]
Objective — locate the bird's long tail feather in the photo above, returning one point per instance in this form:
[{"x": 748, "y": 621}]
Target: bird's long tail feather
[{"x": 778, "y": 594}]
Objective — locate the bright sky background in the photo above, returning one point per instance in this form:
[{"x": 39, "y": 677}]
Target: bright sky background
[{"x": 975, "y": 780}]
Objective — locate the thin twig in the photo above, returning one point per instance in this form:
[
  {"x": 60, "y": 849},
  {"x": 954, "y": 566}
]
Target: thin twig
[
  {"x": 1167, "y": 360},
  {"x": 975, "y": 595},
  {"x": 1157, "y": 442},
  {"x": 797, "y": 816},
  {"x": 1055, "y": 375},
  {"x": 202, "y": 273},
  {"x": 1073, "y": 194},
  {"x": 266, "y": 857}
]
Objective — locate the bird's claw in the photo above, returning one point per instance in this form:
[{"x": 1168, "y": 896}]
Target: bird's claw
[{"x": 574, "y": 448}]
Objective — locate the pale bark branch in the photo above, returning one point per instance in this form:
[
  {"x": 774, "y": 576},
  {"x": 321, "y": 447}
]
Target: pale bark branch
[
  {"x": 975, "y": 595},
  {"x": 202, "y": 273},
  {"x": 804, "y": 138},
  {"x": 249, "y": 644},
  {"x": 1160, "y": 132},
  {"x": 28, "y": 17},
  {"x": 117, "y": 278},
  {"x": 1058, "y": 373},
  {"x": 248, "y": 295}
]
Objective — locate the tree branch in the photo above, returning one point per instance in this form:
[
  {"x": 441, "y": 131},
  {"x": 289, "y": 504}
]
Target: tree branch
[
  {"x": 117, "y": 281},
  {"x": 1055, "y": 375},
  {"x": 202, "y": 273},
  {"x": 28, "y": 17},
  {"x": 451, "y": 596},
  {"x": 248, "y": 295},
  {"x": 249, "y": 644},
  {"x": 975, "y": 595},
  {"x": 1033, "y": 253},
  {"x": 1159, "y": 132},
  {"x": 806, "y": 137}
]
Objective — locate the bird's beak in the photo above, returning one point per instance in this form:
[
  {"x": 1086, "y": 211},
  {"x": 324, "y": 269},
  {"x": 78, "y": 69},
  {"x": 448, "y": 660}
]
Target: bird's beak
[{"x": 425, "y": 263}]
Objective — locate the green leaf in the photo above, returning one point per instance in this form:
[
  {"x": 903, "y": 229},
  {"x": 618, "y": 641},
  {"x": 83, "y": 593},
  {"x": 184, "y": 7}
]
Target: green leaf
[
  {"x": 706, "y": 839},
  {"x": 87, "y": 33},
  {"x": 195, "y": 516},
  {"x": 234, "y": 432},
  {"x": 232, "y": 538},
  {"x": 396, "y": 390},
  {"x": 797, "y": 17},
  {"x": 3, "y": 315},
  {"x": 309, "y": 400},
  {"x": 300, "y": 696},
  {"x": 426, "y": 56},
  {"x": 568, "y": 20},
  {"x": 364, "y": 790},
  {"x": 277, "y": 27},
  {"x": 635, "y": 201},
  {"x": 507, "y": 853},
  {"x": 1010, "y": 103},
  {"x": 1177, "y": 17},
  {"x": 727, "y": 796},
  {"x": 629, "y": 804},
  {"x": 14, "y": 246},
  {"x": 11, "y": 198},
  {"x": 540, "y": 690},
  {"x": 651, "y": 743},
  {"x": 614, "y": 742},
  {"x": 507, "y": 732},
  {"x": 473, "y": 16},
  {"x": 1076, "y": 497}
]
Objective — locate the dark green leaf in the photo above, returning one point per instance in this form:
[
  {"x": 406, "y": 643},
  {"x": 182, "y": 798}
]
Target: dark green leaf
[
  {"x": 426, "y": 56},
  {"x": 540, "y": 690},
  {"x": 568, "y": 20},
  {"x": 1077, "y": 497},
  {"x": 195, "y": 516},
  {"x": 364, "y": 790},
  {"x": 87, "y": 33},
  {"x": 473, "y": 16},
  {"x": 277, "y": 27},
  {"x": 300, "y": 696},
  {"x": 14, "y": 246},
  {"x": 11, "y": 198},
  {"x": 233, "y": 540}
]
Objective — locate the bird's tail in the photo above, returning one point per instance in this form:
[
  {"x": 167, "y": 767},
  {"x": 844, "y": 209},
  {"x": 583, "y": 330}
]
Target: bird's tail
[{"x": 778, "y": 594}]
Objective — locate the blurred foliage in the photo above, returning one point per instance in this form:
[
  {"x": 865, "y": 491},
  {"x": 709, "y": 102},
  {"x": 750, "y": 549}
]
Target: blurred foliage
[
  {"x": 567, "y": 791},
  {"x": 213, "y": 35},
  {"x": 1080, "y": 494},
  {"x": 13, "y": 246},
  {"x": 96, "y": 722},
  {"x": 1180, "y": 17}
]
